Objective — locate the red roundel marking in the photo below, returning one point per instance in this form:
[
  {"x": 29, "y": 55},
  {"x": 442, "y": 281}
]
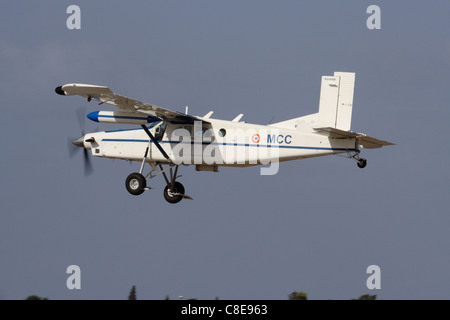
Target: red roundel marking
[{"x": 256, "y": 138}]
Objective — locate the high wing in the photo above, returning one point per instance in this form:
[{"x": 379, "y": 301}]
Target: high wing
[
  {"x": 104, "y": 95},
  {"x": 363, "y": 140}
]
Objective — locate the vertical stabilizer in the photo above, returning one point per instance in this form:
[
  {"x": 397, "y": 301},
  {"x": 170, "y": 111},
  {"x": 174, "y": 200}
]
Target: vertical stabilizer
[
  {"x": 336, "y": 100},
  {"x": 345, "y": 101}
]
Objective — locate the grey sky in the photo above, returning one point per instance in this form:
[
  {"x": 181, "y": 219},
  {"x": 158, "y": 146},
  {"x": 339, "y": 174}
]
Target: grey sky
[{"x": 314, "y": 227}]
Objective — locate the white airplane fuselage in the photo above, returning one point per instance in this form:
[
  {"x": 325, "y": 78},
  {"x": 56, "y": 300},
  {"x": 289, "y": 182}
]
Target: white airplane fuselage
[{"x": 215, "y": 143}]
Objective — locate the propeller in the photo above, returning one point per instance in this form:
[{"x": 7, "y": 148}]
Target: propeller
[{"x": 74, "y": 144}]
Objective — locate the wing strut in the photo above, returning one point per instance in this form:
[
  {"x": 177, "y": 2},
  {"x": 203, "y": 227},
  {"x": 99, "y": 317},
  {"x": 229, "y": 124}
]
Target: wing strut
[{"x": 155, "y": 141}]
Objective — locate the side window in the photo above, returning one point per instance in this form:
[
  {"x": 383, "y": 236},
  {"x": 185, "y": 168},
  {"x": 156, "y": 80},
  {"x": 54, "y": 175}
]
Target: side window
[
  {"x": 159, "y": 132},
  {"x": 208, "y": 134},
  {"x": 198, "y": 134},
  {"x": 222, "y": 133},
  {"x": 188, "y": 128},
  {"x": 182, "y": 131}
]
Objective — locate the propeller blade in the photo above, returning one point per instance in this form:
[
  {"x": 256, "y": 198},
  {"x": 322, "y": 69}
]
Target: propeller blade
[
  {"x": 81, "y": 117},
  {"x": 87, "y": 163},
  {"x": 74, "y": 144}
]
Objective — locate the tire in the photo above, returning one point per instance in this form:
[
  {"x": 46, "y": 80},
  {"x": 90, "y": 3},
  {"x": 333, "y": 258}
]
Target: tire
[
  {"x": 135, "y": 183},
  {"x": 362, "y": 163},
  {"x": 178, "y": 188}
]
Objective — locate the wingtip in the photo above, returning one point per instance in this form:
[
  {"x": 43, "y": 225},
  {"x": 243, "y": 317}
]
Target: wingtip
[{"x": 60, "y": 91}]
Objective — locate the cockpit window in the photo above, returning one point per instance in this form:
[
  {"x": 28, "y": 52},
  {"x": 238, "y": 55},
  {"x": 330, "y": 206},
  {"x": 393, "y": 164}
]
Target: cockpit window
[
  {"x": 152, "y": 124},
  {"x": 159, "y": 132}
]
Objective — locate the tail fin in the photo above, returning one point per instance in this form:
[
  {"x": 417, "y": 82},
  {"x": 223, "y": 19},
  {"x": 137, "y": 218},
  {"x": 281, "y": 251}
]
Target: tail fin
[{"x": 336, "y": 100}]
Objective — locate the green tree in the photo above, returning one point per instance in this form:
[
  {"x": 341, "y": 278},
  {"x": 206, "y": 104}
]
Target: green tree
[
  {"x": 132, "y": 295},
  {"x": 367, "y": 297},
  {"x": 298, "y": 296},
  {"x": 35, "y": 297}
]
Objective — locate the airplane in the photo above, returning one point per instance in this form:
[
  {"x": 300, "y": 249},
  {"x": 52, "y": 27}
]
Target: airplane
[{"x": 167, "y": 139}]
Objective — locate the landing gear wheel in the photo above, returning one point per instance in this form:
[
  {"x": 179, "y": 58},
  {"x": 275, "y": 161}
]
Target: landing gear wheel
[
  {"x": 362, "y": 163},
  {"x": 135, "y": 183},
  {"x": 176, "y": 195}
]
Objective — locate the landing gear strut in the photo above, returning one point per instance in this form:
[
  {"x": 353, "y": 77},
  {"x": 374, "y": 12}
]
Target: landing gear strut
[
  {"x": 136, "y": 182},
  {"x": 361, "y": 162},
  {"x": 174, "y": 191}
]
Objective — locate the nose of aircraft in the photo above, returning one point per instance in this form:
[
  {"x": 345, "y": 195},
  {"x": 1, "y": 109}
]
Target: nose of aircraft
[{"x": 79, "y": 142}]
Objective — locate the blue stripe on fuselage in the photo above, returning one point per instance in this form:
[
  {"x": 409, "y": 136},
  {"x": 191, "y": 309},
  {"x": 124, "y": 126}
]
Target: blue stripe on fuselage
[{"x": 235, "y": 144}]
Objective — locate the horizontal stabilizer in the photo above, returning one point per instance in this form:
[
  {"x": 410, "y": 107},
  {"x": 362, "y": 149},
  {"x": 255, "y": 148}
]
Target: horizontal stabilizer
[
  {"x": 337, "y": 133},
  {"x": 363, "y": 140},
  {"x": 373, "y": 143}
]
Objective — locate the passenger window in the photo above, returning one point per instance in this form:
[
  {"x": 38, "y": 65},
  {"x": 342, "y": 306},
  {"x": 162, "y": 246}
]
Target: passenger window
[
  {"x": 222, "y": 133},
  {"x": 198, "y": 135},
  {"x": 208, "y": 134}
]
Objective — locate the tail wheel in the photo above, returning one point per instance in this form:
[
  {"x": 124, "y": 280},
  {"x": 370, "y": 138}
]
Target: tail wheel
[
  {"x": 135, "y": 183},
  {"x": 175, "y": 195},
  {"x": 362, "y": 163}
]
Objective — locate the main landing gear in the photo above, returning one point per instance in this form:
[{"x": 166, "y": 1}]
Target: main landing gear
[
  {"x": 136, "y": 183},
  {"x": 174, "y": 194}
]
